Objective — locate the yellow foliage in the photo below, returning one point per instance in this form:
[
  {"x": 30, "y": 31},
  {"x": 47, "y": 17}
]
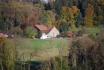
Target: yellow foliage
[
  {"x": 89, "y": 15},
  {"x": 16, "y": 5}
]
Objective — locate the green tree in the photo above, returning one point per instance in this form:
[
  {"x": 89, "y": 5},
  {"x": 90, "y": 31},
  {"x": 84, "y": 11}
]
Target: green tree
[
  {"x": 3, "y": 26},
  {"x": 63, "y": 13},
  {"x": 30, "y": 32},
  {"x": 46, "y": 17},
  {"x": 98, "y": 16},
  {"x": 79, "y": 20},
  {"x": 63, "y": 26},
  {"x": 16, "y": 31}
]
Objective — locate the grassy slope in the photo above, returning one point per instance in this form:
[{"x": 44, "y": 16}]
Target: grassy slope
[
  {"x": 43, "y": 49},
  {"x": 91, "y": 30},
  {"x": 49, "y": 43}
]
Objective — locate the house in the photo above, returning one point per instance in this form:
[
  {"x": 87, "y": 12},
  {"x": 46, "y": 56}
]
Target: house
[
  {"x": 47, "y": 32},
  {"x": 3, "y": 34}
]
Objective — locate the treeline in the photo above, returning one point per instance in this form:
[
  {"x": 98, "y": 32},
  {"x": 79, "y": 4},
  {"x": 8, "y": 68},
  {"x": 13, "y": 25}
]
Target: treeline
[{"x": 61, "y": 13}]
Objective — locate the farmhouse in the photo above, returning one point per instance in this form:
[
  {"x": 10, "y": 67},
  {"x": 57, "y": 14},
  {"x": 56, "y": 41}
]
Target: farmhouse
[{"x": 47, "y": 32}]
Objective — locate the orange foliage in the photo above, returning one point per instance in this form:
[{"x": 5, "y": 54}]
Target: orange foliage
[
  {"x": 57, "y": 23},
  {"x": 74, "y": 8},
  {"x": 2, "y": 39}
]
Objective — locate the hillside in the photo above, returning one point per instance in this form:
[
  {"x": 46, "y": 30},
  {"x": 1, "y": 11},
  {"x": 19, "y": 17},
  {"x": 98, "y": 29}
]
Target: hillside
[{"x": 76, "y": 41}]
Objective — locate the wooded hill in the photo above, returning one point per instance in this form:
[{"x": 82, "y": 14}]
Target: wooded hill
[{"x": 70, "y": 13}]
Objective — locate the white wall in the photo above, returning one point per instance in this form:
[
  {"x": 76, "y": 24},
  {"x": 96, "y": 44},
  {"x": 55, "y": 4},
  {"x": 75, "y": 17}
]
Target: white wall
[{"x": 54, "y": 32}]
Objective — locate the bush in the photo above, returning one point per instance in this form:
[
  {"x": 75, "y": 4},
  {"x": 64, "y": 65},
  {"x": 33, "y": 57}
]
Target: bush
[
  {"x": 16, "y": 31},
  {"x": 30, "y": 32},
  {"x": 83, "y": 31},
  {"x": 93, "y": 37}
]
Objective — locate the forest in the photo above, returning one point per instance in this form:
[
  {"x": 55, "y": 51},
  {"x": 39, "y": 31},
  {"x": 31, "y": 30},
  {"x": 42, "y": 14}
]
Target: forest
[
  {"x": 72, "y": 13},
  {"x": 18, "y": 17}
]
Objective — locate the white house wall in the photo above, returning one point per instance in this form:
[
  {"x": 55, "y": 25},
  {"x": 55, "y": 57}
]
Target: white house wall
[{"x": 54, "y": 32}]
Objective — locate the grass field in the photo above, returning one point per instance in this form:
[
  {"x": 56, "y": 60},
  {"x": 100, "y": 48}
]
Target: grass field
[
  {"x": 45, "y": 49},
  {"x": 42, "y": 49},
  {"x": 48, "y": 43},
  {"x": 90, "y": 30},
  {"x": 93, "y": 30}
]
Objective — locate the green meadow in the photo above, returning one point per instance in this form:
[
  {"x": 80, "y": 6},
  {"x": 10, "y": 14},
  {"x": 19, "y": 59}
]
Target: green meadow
[
  {"x": 90, "y": 30},
  {"x": 47, "y": 48}
]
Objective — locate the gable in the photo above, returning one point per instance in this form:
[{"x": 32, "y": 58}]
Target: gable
[{"x": 54, "y": 30}]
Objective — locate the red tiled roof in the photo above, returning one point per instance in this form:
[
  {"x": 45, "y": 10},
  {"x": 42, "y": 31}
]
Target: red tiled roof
[
  {"x": 44, "y": 28},
  {"x": 4, "y": 32},
  {"x": 49, "y": 29},
  {"x": 41, "y": 27}
]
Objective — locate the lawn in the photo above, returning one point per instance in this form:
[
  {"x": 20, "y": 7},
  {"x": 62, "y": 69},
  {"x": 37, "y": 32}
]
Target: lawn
[
  {"x": 90, "y": 30},
  {"x": 47, "y": 43},
  {"x": 93, "y": 30},
  {"x": 42, "y": 49},
  {"x": 45, "y": 49}
]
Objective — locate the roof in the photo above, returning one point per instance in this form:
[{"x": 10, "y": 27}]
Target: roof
[
  {"x": 41, "y": 27},
  {"x": 49, "y": 29},
  {"x": 4, "y": 32},
  {"x": 44, "y": 28}
]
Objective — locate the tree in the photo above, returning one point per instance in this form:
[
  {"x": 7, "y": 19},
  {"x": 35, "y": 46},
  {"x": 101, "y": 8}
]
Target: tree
[
  {"x": 98, "y": 16},
  {"x": 46, "y": 17},
  {"x": 79, "y": 20},
  {"x": 3, "y": 26},
  {"x": 63, "y": 27},
  {"x": 55, "y": 64},
  {"x": 79, "y": 53},
  {"x": 16, "y": 31},
  {"x": 89, "y": 16},
  {"x": 30, "y": 32},
  {"x": 64, "y": 13},
  {"x": 50, "y": 18},
  {"x": 72, "y": 15},
  {"x": 7, "y": 54}
]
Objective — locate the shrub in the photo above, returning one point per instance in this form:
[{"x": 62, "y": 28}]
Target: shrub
[
  {"x": 16, "y": 31},
  {"x": 30, "y": 32},
  {"x": 83, "y": 31}
]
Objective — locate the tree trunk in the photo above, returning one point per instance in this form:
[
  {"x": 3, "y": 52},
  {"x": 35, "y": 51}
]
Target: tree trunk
[
  {"x": 74, "y": 60},
  {"x": 1, "y": 66}
]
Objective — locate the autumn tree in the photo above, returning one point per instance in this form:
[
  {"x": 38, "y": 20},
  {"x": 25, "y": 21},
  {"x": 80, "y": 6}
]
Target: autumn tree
[
  {"x": 72, "y": 15},
  {"x": 89, "y": 16},
  {"x": 7, "y": 54},
  {"x": 64, "y": 13},
  {"x": 79, "y": 53}
]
